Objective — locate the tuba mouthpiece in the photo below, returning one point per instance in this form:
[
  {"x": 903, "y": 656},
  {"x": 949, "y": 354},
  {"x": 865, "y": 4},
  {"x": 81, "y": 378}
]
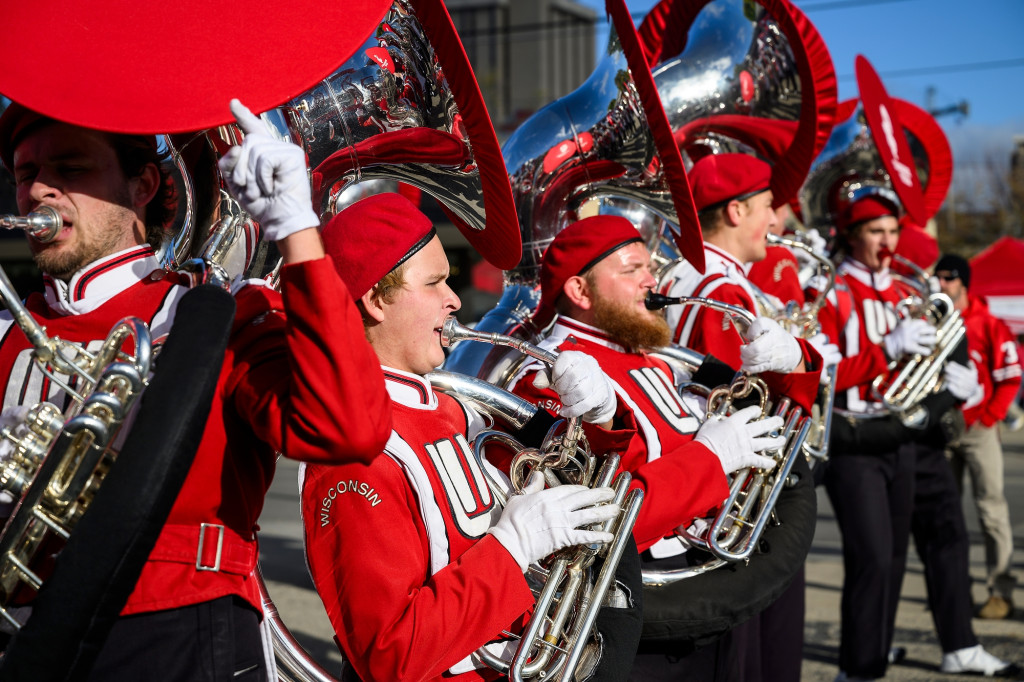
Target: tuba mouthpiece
[
  {"x": 42, "y": 224},
  {"x": 658, "y": 301}
]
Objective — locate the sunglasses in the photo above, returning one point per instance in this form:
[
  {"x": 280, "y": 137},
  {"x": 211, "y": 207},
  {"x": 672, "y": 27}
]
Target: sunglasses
[{"x": 947, "y": 278}]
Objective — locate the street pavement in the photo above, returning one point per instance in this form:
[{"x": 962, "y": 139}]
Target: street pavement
[{"x": 282, "y": 563}]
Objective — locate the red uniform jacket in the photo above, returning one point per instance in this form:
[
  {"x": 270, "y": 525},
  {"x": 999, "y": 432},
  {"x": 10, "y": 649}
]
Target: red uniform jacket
[
  {"x": 305, "y": 384},
  {"x": 994, "y": 352},
  {"x": 709, "y": 331},
  {"x": 839, "y": 313},
  {"x": 398, "y": 546},
  {"x": 874, "y": 297},
  {"x": 682, "y": 479}
]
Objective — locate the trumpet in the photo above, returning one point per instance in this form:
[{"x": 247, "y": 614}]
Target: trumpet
[
  {"x": 43, "y": 224},
  {"x": 558, "y": 635}
]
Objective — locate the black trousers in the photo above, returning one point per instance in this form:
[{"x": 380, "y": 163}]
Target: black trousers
[
  {"x": 214, "y": 641},
  {"x": 872, "y": 496},
  {"x": 940, "y": 537},
  {"x": 769, "y": 647}
]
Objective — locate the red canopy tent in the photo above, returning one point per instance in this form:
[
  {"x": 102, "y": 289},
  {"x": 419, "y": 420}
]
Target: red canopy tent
[{"x": 997, "y": 274}]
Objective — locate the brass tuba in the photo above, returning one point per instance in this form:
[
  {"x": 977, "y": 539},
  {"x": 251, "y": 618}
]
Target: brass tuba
[{"x": 606, "y": 147}]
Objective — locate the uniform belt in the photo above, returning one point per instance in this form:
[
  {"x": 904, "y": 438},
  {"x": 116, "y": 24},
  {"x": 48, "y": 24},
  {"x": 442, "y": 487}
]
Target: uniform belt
[{"x": 207, "y": 546}]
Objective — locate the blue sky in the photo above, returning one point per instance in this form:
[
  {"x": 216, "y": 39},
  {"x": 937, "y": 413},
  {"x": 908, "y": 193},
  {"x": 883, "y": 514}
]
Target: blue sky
[{"x": 965, "y": 50}]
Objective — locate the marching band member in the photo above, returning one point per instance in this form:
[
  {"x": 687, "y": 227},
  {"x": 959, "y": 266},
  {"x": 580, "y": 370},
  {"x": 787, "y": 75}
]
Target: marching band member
[
  {"x": 298, "y": 376},
  {"x": 871, "y": 476},
  {"x": 416, "y": 564},
  {"x": 595, "y": 276},
  {"x": 993, "y": 350},
  {"x": 734, "y": 204}
]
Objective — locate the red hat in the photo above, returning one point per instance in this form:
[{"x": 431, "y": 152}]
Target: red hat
[
  {"x": 719, "y": 178},
  {"x": 578, "y": 248},
  {"x": 870, "y": 207},
  {"x": 374, "y": 236}
]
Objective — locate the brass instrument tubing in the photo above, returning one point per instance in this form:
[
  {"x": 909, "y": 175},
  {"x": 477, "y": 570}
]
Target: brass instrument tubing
[{"x": 741, "y": 318}]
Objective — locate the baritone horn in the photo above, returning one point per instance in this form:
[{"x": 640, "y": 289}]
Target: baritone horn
[
  {"x": 558, "y": 636},
  {"x": 913, "y": 378},
  {"x": 736, "y": 529},
  {"x": 58, "y": 463}
]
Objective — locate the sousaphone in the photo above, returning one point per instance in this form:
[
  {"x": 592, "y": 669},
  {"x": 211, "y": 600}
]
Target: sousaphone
[{"x": 605, "y": 147}]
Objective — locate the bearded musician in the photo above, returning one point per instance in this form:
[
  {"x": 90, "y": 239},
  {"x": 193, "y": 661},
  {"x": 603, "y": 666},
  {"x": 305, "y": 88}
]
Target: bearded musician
[
  {"x": 415, "y": 561},
  {"x": 594, "y": 280},
  {"x": 298, "y": 376}
]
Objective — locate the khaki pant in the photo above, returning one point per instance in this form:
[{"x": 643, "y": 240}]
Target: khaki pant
[{"x": 981, "y": 454}]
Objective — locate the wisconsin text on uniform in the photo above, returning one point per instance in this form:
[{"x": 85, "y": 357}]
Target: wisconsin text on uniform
[{"x": 342, "y": 487}]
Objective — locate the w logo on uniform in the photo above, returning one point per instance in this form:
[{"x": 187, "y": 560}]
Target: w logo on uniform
[
  {"x": 464, "y": 483},
  {"x": 663, "y": 396}
]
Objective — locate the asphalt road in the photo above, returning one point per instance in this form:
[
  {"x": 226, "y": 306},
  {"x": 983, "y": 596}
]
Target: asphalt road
[{"x": 284, "y": 569}]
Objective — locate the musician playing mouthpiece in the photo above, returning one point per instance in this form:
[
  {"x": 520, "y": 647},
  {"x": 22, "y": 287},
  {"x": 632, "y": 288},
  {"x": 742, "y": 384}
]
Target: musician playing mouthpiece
[
  {"x": 870, "y": 477},
  {"x": 298, "y": 376},
  {"x": 416, "y": 563},
  {"x": 734, "y": 205}
]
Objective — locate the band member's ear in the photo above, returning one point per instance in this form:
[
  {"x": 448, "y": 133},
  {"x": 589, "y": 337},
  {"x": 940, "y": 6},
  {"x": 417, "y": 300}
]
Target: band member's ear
[
  {"x": 577, "y": 292},
  {"x": 145, "y": 185},
  {"x": 734, "y": 211},
  {"x": 373, "y": 305}
]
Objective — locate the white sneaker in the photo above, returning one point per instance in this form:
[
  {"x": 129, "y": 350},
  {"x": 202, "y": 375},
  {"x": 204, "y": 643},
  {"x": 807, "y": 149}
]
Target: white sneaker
[{"x": 976, "y": 660}]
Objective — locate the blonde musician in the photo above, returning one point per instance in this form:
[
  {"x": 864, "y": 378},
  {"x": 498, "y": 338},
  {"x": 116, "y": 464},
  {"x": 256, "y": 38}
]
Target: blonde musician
[{"x": 416, "y": 563}]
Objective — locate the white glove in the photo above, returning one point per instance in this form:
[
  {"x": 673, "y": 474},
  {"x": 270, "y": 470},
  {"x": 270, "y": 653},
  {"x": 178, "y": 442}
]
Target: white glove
[
  {"x": 736, "y": 439},
  {"x": 829, "y": 352},
  {"x": 583, "y": 388},
  {"x": 770, "y": 348},
  {"x": 269, "y": 178},
  {"x": 960, "y": 380},
  {"x": 539, "y": 522},
  {"x": 697, "y": 529},
  {"x": 910, "y": 337}
]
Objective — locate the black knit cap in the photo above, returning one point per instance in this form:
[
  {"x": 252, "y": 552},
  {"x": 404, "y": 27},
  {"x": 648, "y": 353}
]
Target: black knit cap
[{"x": 957, "y": 266}]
